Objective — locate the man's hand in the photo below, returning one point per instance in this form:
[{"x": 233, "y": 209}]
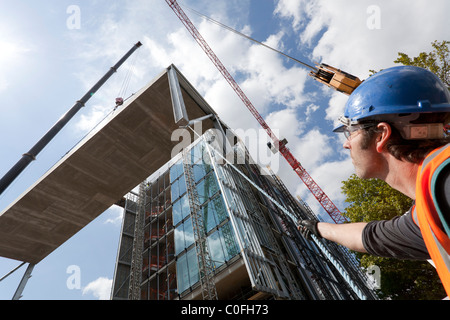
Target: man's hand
[{"x": 306, "y": 227}]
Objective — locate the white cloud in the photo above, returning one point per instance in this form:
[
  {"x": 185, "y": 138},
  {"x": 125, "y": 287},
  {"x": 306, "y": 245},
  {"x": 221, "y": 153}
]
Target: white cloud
[
  {"x": 336, "y": 107},
  {"x": 286, "y": 122},
  {"x": 344, "y": 39},
  {"x": 114, "y": 215},
  {"x": 310, "y": 109},
  {"x": 290, "y": 9},
  {"x": 99, "y": 288},
  {"x": 93, "y": 117}
]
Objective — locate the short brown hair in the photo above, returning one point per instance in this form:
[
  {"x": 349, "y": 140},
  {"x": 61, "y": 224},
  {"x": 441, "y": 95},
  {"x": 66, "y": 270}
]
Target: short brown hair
[{"x": 409, "y": 150}]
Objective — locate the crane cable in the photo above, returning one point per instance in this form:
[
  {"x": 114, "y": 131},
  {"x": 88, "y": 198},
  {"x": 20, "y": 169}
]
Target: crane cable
[
  {"x": 127, "y": 78},
  {"x": 247, "y": 37}
]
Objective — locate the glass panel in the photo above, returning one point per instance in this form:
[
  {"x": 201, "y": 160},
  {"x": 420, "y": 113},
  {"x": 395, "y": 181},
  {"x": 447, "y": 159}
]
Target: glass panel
[
  {"x": 215, "y": 249},
  {"x": 196, "y": 152},
  {"x": 188, "y": 233},
  {"x": 182, "y": 274},
  {"x": 176, "y": 170},
  {"x": 185, "y": 208},
  {"x": 192, "y": 263},
  {"x": 199, "y": 172},
  {"x": 202, "y": 192},
  {"x": 174, "y": 190},
  {"x": 209, "y": 216},
  {"x": 221, "y": 210},
  {"x": 182, "y": 185},
  {"x": 212, "y": 184},
  {"x": 179, "y": 239},
  {"x": 177, "y": 213},
  {"x": 206, "y": 188},
  {"x": 206, "y": 163},
  {"x": 229, "y": 241}
]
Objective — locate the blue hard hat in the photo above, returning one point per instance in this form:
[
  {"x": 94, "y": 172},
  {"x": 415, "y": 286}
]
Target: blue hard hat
[{"x": 397, "y": 95}]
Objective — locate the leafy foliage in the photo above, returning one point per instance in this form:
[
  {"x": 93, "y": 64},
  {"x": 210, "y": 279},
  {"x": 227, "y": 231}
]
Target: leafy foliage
[{"x": 436, "y": 61}]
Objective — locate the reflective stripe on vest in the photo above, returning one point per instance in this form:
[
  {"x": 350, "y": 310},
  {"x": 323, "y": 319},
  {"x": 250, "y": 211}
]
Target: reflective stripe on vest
[{"x": 425, "y": 213}]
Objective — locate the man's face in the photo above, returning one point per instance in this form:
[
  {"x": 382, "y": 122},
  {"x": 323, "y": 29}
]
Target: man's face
[{"x": 365, "y": 160}]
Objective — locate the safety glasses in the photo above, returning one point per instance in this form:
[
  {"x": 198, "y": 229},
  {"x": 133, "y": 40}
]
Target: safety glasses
[{"x": 348, "y": 130}]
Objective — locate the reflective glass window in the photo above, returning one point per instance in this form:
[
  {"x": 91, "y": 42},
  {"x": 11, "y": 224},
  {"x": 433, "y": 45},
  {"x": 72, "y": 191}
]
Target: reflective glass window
[
  {"x": 182, "y": 185},
  {"x": 207, "y": 187},
  {"x": 209, "y": 216},
  {"x": 182, "y": 274},
  {"x": 199, "y": 171},
  {"x": 188, "y": 233},
  {"x": 229, "y": 242},
  {"x": 185, "y": 208},
  {"x": 175, "y": 190},
  {"x": 176, "y": 170},
  {"x": 177, "y": 213},
  {"x": 192, "y": 262},
  {"x": 220, "y": 209},
  {"x": 216, "y": 249},
  {"x": 179, "y": 239}
]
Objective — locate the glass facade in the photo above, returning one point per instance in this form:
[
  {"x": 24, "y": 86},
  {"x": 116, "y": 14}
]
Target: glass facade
[
  {"x": 244, "y": 233},
  {"x": 170, "y": 258}
]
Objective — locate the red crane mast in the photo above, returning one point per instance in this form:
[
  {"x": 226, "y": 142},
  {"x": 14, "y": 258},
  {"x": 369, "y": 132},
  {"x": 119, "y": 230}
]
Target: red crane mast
[{"x": 314, "y": 188}]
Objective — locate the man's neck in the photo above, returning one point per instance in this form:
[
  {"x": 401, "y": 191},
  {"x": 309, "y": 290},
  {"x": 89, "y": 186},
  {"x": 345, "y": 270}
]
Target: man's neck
[{"x": 402, "y": 177}]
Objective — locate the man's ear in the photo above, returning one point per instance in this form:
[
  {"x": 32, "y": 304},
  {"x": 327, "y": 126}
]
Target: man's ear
[{"x": 382, "y": 137}]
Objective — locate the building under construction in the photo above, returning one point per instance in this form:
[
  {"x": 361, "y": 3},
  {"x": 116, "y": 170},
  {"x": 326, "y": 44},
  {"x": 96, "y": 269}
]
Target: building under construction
[
  {"x": 197, "y": 226},
  {"x": 207, "y": 224}
]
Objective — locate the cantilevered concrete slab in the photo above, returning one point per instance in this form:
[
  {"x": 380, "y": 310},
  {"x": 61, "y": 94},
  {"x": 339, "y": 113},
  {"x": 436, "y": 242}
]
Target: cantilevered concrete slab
[{"x": 133, "y": 143}]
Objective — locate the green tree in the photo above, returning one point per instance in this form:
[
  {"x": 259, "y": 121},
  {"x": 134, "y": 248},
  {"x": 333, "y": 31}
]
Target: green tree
[
  {"x": 437, "y": 61},
  {"x": 374, "y": 199}
]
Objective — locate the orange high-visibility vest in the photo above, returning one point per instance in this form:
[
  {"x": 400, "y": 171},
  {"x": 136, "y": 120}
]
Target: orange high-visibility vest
[{"x": 429, "y": 215}]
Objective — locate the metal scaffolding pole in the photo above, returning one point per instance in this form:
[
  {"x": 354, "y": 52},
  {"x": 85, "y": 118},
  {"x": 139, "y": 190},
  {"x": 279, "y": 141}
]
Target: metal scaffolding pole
[
  {"x": 138, "y": 245},
  {"x": 205, "y": 264}
]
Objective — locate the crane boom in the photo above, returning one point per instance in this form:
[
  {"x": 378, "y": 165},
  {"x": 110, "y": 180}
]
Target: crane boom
[{"x": 314, "y": 188}]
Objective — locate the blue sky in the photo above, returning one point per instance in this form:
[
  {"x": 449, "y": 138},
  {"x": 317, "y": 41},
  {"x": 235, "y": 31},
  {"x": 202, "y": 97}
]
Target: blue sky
[{"x": 50, "y": 57}]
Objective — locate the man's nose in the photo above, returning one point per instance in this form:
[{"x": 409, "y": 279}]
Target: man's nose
[{"x": 346, "y": 144}]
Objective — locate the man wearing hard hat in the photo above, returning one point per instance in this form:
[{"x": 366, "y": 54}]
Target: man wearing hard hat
[{"x": 395, "y": 123}]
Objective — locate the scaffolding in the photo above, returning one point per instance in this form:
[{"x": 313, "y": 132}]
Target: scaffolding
[
  {"x": 205, "y": 264},
  {"x": 138, "y": 242}
]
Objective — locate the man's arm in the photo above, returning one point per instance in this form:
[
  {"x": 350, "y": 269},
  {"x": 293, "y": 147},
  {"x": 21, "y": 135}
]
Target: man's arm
[
  {"x": 398, "y": 238},
  {"x": 347, "y": 234}
]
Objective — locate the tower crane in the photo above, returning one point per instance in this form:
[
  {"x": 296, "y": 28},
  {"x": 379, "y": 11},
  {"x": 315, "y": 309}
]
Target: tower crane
[{"x": 323, "y": 73}]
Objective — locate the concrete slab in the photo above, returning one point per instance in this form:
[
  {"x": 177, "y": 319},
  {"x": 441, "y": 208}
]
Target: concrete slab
[{"x": 130, "y": 145}]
